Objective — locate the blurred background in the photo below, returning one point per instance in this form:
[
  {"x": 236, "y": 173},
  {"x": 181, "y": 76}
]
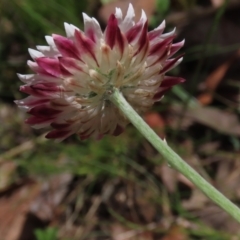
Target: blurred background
[{"x": 115, "y": 189}]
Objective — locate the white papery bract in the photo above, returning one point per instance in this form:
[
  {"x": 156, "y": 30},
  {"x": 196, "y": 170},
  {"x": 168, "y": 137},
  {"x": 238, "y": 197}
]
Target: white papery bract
[{"x": 74, "y": 75}]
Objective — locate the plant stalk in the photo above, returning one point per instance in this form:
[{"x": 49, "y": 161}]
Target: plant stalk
[{"x": 172, "y": 158}]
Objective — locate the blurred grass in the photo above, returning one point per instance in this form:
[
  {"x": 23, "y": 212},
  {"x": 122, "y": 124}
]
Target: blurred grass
[{"x": 23, "y": 24}]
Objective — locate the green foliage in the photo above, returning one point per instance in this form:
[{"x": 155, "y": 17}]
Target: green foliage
[
  {"x": 186, "y": 4},
  {"x": 96, "y": 158},
  {"x": 106, "y": 1},
  {"x": 46, "y": 234},
  {"x": 163, "y": 6},
  {"x": 24, "y": 24},
  {"x": 36, "y": 18}
]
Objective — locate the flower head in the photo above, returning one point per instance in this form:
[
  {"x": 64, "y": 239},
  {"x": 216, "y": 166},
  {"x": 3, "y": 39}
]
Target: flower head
[{"x": 74, "y": 75}]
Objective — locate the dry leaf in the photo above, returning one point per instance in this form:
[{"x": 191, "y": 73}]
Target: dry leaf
[
  {"x": 220, "y": 120},
  {"x": 176, "y": 233},
  {"x": 213, "y": 80},
  {"x": 155, "y": 121},
  {"x": 227, "y": 179},
  {"x": 50, "y": 196},
  {"x": 168, "y": 175},
  {"x": 197, "y": 201},
  {"x": 213, "y": 216},
  {"x": 7, "y": 171},
  {"x": 120, "y": 232},
  {"x": 14, "y": 208},
  {"x": 209, "y": 147},
  {"x": 217, "y": 3},
  {"x": 145, "y": 206}
]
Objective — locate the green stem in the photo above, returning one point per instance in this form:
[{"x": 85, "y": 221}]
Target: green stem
[{"x": 172, "y": 158}]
